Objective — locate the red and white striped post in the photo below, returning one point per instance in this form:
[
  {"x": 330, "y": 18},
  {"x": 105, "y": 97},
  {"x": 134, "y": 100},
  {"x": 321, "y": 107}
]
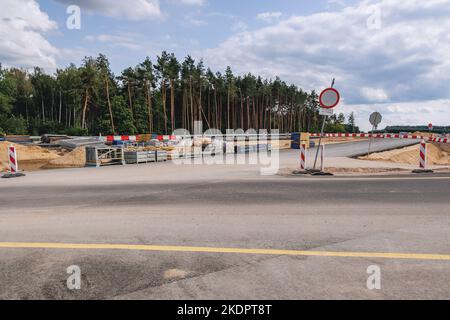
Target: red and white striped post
[
  {"x": 302, "y": 157},
  {"x": 13, "y": 164},
  {"x": 423, "y": 155},
  {"x": 423, "y": 159}
]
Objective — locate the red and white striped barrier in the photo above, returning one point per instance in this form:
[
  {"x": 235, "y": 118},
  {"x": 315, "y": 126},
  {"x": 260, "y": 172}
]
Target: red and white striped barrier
[
  {"x": 13, "y": 164},
  {"x": 381, "y": 136},
  {"x": 121, "y": 138},
  {"x": 423, "y": 155},
  {"x": 138, "y": 138},
  {"x": 302, "y": 157},
  {"x": 166, "y": 138}
]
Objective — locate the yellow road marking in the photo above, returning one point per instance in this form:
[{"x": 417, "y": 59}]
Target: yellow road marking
[
  {"x": 372, "y": 178},
  {"x": 382, "y": 255}
]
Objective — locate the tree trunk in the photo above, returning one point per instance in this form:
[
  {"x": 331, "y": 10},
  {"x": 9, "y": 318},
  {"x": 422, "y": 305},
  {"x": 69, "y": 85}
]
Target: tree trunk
[
  {"x": 163, "y": 89},
  {"x": 200, "y": 107},
  {"x": 248, "y": 113},
  {"x": 43, "y": 109},
  {"x": 242, "y": 112},
  {"x": 130, "y": 100},
  {"x": 148, "y": 95},
  {"x": 228, "y": 109},
  {"x": 60, "y": 106},
  {"x": 83, "y": 121},
  {"x": 172, "y": 104},
  {"x": 215, "y": 109},
  {"x": 192, "y": 104},
  {"x": 109, "y": 107},
  {"x": 183, "y": 111},
  {"x": 209, "y": 105}
]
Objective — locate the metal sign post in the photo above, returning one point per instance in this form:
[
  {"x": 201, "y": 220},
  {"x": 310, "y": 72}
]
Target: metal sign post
[
  {"x": 375, "y": 119},
  {"x": 329, "y": 98}
]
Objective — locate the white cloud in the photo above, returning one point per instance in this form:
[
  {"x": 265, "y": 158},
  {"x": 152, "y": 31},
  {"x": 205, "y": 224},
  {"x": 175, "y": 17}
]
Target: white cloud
[
  {"x": 22, "y": 33},
  {"x": 130, "y": 9},
  {"x": 129, "y": 41},
  {"x": 408, "y": 59},
  {"x": 193, "y": 21},
  {"x": 406, "y": 113},
  {"x": 113, "y": 45},
  {"x": 239, "y": 26},
  {"x": 336, "y": 2},
  {"x": 191, "y": 2},
  {"x": 374, "y": 95},
  {"x": 269, "y": 16}
]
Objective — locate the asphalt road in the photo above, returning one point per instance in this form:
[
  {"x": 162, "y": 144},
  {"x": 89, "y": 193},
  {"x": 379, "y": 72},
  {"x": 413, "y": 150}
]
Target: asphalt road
[
  {"x": 204, "y": 235},
  {"x": 359, "y": 148}
]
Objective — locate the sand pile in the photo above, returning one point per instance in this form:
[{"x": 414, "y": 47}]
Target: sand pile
[
  {"x": 73, "y": 159},
  {"x": 410, "y": 155},
  {"x": 31, "y": 158}
]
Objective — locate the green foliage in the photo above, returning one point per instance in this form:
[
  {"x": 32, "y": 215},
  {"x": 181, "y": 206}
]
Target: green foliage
[
  {"x": 351, "y": 124},
  {"x": 40, "y": 128},
  {"x": 335, "y": 128},
  {"x": 90, "y": 99},
  {"x": 398, "y": 129},
  {"x": 76, "y": 131},
  {"x": 13, "y": 125},
  {"x": 123, "y": 116}
]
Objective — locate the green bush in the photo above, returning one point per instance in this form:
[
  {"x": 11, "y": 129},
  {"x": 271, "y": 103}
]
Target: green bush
[
  {"x": 335, "y": 128},
  {"x": 13, "y": 125},
  {"x": 76, "y": 131}
]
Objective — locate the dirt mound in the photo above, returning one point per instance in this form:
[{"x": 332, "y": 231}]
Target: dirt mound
[
  {"x": 338, "y": 171},
  {"x": 410, "y": 155},
  {"x": 29, "y": 157},
  {"x": 73, "y": 159}
]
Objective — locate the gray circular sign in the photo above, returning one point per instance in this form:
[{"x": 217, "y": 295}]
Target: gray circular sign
[{"x": 375, "y": 118}]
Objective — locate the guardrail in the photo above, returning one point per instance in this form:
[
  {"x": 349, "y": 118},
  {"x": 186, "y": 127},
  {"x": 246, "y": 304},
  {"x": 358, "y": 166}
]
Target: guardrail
[
  {"x": 382, "y": 136},
  {"x": 284, "y": 136},
  {"x": 135, "y": 138}
]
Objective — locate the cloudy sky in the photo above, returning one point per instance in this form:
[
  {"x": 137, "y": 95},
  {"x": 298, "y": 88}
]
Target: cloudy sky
[{"x": 391, "y": 56}]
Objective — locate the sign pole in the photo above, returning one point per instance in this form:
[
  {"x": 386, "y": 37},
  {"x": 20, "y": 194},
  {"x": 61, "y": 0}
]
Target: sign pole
[
  {"x": 321, "y": 133},
  {"x": 370, "y": 141},
  {"x": 322, "y": 159},
  {"x": 320, "y": 140},
  {"x": 374, "y": 119}
]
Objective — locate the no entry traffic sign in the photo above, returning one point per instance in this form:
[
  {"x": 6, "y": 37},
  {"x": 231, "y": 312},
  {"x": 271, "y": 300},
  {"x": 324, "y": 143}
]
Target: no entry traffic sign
[
  {"x": 430, "y": 126},
  {"x": 329, "y": 98}
]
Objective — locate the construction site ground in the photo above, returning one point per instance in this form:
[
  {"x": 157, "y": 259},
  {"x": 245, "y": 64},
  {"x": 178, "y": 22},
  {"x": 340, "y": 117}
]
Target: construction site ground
[
  {"x": 166, "y": 231},
  {"x": 340, "y": 160}
]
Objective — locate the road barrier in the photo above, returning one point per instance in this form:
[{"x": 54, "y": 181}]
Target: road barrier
[
  {"x": 13, "y": 164},
  {"x": 382, "y": 136},
  {"x": 303, "y": 157},
  {"x": 423, "y": 159},
  {"x": 121, "y": 138},
  {"x": 423, "y": 154}
]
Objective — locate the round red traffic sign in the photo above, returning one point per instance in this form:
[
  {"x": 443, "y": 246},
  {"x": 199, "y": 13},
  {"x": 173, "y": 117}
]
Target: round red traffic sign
[
  {"x": 430, "y": 126},
  {"x": 329, "y": 98}
]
